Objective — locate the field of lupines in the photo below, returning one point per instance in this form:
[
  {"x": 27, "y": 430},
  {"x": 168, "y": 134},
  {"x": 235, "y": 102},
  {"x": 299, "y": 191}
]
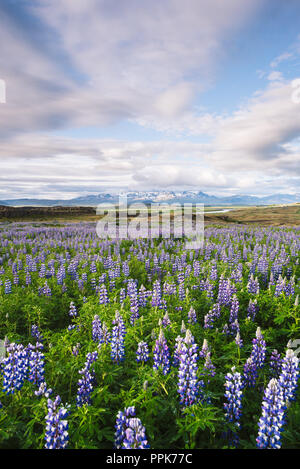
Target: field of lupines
[{"x": 143, "y": 344}]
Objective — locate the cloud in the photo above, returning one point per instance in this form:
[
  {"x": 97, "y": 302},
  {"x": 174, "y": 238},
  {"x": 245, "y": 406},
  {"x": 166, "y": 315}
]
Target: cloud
[{"x": 86, "y": 63}]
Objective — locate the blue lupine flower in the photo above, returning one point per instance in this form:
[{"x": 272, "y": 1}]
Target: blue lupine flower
[
  {"x": 275, "y": 363},
  {"x": 121, "y": 425},
  {"x": 43, "y": 390},
  {"x": 15, "y": 368},
  {"x": 7, "y": 287},
  {"x": 187, "y": 375},
  {"x": 135, "y": 435},
  {"x": 288, "y": 378},
  {"x": 36, "y": 363},
  {"x": 103, "y": 297},
  {"x": 233, "y": 393},
  {"x": 72, "y": 310},
  {"x": 272, "y": 420},
  {"x": 161, "y": 354},
  {"x": 142, "y": 353},
  {"x": 118, "y": 339},
  {"x": 85, "y": 383},
  {"x": 130, "y": 433},
  {"x": 56, "y": 436},
  {"x": 192, "y": 317},
  {"x": 96, "y": 329}
]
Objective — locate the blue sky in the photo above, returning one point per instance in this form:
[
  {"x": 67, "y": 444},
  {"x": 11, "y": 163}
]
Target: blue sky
[{"x": 160, "y": 95}]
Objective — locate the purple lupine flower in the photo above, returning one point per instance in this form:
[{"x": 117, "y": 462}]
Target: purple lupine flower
[
  {"x": 192, "y": 317},
  {"x": 56, "y": 436},
  {"x": 72, "y": 310},
  {"x": 36, "y": 363},
  {"x": 43, "y": 390},
  {"x": 118, "y": 339},
  {"x": 238, "y": 340},
  {"x": 85, "y": 383},
  {"x": 156, "y": 294},
  {"x": 234, "y": 310},
  {"x": 288, "y": 379},
  {"x": 253, "y": 285},
  {"x": 250, "y": 373},
  {"x": 103, "y": 297},
  {"x": 134, "y": 304},
  {"x": 142, "y": 353},
  {"x": 15, "y": 368},
  {"x": 161, "y": 354},
  {"x": 166, "y": 321},
  {"x": 7, "y": 287},
  {"x": 233, "y": 393},
  {"x": 135, "y": 435},
  {"x": 121, "y": 425},
  {"x": 259, "y": 349},
  {"x": 75, "y": 349},
  {"x": 271, "y": 423},
  {"x": 130, "y": 433},
  {"x": 36, "y": 333},
  {"x": 187, "y": 375},
  {"x": 177, "y": 350},
  {"x": 252, "y": 310},
  {"x": 96, "y": 329},
  {"x": 275, "y": 363}
]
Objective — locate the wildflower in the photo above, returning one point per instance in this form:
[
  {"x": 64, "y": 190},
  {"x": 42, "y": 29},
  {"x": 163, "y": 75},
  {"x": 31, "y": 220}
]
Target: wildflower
[
  {"x": 85, "y": 383},
  {"x": 56, "y": 436},
  {"x": 271, "y": 423},
  {"x": 142, "y": 354},
  {"x": 233, "y": 393},
  {"x": 187, "y": 374},
  {"x": 118, "y": 339},
  {"x": 161, "y": 354}
]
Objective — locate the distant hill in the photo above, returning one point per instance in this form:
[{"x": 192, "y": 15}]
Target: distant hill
[{"x": 157, "y": 197}]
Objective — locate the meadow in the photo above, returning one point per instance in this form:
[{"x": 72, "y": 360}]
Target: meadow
[{"x": 137, "y": 344}]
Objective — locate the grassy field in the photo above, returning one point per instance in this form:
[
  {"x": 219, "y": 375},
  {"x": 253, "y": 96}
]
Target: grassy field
[{"x": 278, "y": 215}]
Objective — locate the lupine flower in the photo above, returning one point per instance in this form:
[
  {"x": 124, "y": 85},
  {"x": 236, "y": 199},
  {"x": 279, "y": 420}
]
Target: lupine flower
[
  {"x": 7, "y": 287},
  {"x": 43, "y": 390},
  {"x": 96, "y": 329},
  {"x": 118, "y": 339},
  {"x": 271, "y": 422},
  {"x": 288, "y": 378},
  {"x": 135, "y": 435},
  {"x": 15, "y": 368},
  {"x": 275, "y": 363},
  {"x": 85, "y": 383},
  {"x": 177, "y": 350},
  {"x": 103, "y": 297},
  {"x": 142, "y": 354},
  {"x": 36, "y": 363},
  {"x": 75, "y": 349},
  {"x": 72, "y": 310},
  {"x": 56, "y": 436},
  {"x": 121, "y": 425},
  {"x": 161, "y": 354},
  {"x": 130, "y": 433},
  {"x": 192, "y": 317},
  {"x": 187, "y": 374},
  {"x": 233, "y": 393},
  {"x": 259, "y": 349},
  {"x": 238, "y": 340},
  {"x": 36, "y": 333},
  {"x": 166, "y": 320}
]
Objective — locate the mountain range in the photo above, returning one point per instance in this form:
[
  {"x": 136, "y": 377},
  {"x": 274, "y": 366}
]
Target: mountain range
[{"x": 158, "y": 197}]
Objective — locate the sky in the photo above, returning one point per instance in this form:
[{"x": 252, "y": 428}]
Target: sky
[{"x": 114, "y": 95}]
